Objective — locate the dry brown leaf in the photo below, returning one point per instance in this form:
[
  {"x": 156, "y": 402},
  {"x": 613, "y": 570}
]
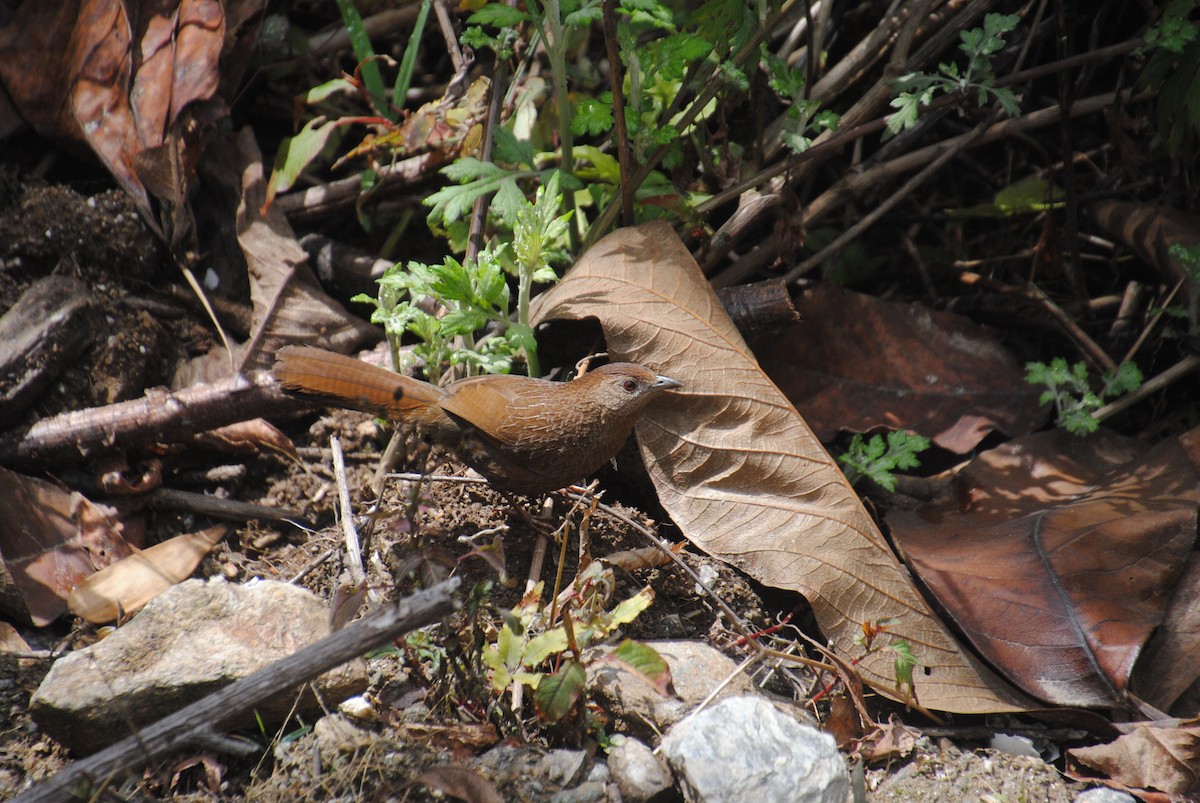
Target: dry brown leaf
[
  {"x": 1170, "y": 662},
  {"x": 130, "y": 583},
  {"x": 51, "y": 540},
  {"x": 745, "y": 478},
  {"x": 857, "y": 363},
  {"x": 289, "y": 304},
  {"x": 1162, "y": 756},
  {"x": 460, "y": 783},
  {"x": 1056, "y": 556},
  {"x": 70, "y": 68}
]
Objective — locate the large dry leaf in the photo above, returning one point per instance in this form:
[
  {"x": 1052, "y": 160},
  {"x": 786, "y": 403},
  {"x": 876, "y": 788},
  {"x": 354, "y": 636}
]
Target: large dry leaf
[
  {"x": 1170, "y": 662},
  {"x": 1163, "y": 756},
  {"x": 744, "y": 477},
  {"x": 289, "y": 304},
  {"x": 128, "y": 584},
  {"x": 1057, "y": 555},
  {"x": 857, "y": 363},
  {"x": 85, "y": 70},
  {"x": 51, "y": 540}
]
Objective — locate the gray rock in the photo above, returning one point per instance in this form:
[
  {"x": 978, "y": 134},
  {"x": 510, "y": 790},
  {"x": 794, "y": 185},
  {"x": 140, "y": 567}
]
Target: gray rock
[
  {"x": 640, "y": 775},
  {"x": 696, "y": 670},
  {"x": 192, "y": 639},
  {"x": 563, "y": 767},
  {"x": 1104, "y": 794},
  {"x": 744, "y": 748}
]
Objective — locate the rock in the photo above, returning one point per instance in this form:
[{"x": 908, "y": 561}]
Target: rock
[
  {"x": 696, "y": 670},
  {"x": 563, "y": 767},
  {"x": 1104, "y": 794},
  {"x": 744, "y": 748},
  {"x": 192, "y": 639},
  {"x": 640, "y": 775}
]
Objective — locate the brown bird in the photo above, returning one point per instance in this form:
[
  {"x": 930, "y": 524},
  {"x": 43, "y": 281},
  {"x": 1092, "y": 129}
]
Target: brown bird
[{"x": 527, "y": 436}]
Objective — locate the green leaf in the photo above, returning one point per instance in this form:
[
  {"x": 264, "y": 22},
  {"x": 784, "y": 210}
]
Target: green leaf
[
  {"x": 631, "y": 608},
  {"x": 592, "y": 117},
  {"x": 296, "y": 153},
  {"x": 365, "y": 53},
  {"x": 498, "y": 15},
  {"x": 558, "y": 692},
  {"x": 539, "y": 648},
  {"x": 646, "y": 662}
]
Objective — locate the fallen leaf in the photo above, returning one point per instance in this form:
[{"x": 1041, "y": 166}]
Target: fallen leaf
[
  {"x": 743, "y": 476},
  {"x": 1170, "y": 663},
  {"x": 128, "y": 584},
  {"x": 289, "y": 304},
  {"x": 1056, "y": 556},
  {"x": 51, "y": 540},
  {"x": 115, "y": 75},
  {"x": 857, "y": 363},
  {"x": 1161, "y": 756},
  {"x": 460, "y": 783}
]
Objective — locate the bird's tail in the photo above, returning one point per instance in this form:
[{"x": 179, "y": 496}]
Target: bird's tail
[{"x": 342, "y": 381}]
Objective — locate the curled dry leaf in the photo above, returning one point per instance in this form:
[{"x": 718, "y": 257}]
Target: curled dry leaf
[
  {"x": 131, "y": 582},
  {"x": 289, "y": 304},
  {"x": 1170, "y": 663},
  {"x": 857, "y": 363},
  {"x": 1056, "y": 556},
  {"x": 744, "y": 477},
  {"x": 115, "y": 75},
  {"x": 1151, "y": 755},
  {"x": 51, "y": 540}
]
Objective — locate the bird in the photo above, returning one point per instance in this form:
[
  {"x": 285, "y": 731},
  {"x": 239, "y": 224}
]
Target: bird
[{"x": 525, "y": 436}]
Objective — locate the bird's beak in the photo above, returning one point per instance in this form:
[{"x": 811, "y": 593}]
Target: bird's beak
[{"x": 666, "y": 383}]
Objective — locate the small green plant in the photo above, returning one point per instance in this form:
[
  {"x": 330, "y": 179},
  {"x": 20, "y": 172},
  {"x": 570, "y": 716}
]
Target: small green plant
[
  {"x": 1173, "y": 48},
  {"x": 905, "y": 660},
  {"x": 804, "y": 117},
  {"x": 1069, "y": 388},
  {"x": 1174, "y": 32},
  {"x": 473, "y": 294},
  {"x": 979, "y": 44},
  {"x": 1189, "y": 258},
  {"x": 877, "y": 458},
  {"x": 551, "y": 657}
]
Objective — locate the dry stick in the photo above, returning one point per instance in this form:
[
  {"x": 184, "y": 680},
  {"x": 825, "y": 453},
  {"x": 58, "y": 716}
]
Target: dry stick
[
  {"x": 1154, "y": 320},
  {"x": 208, "y": 505},
  {"x": 354, "y": 560},
  {"x": 1091, "y": 349},
  {"x": 480, "y": 207},
  {"x": 200, "y": 722},
  {"x": 456, "y": 55},
  {"x": 882, "y": 209},
  {"x": 1178, "y": 370},
  {"x": 609, "y": 22},
  {"x": 317, "y": 201},
  {"x": 854, "y": 184},
  {"x": 158, "y": 416}
]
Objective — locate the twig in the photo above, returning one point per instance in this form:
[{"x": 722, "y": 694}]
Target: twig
[
  {"x": 736, "y": 621},
  {"x": 159, "y": 416},
  {"x": 201, "y": 721},
  {"x": 1089, "y": 347},
  {"x": 1178, "y": 370},
  {"x": 354, "y": 561},
  {"x": 882, "y": 209},
  {"x": 208, "y": 505}
]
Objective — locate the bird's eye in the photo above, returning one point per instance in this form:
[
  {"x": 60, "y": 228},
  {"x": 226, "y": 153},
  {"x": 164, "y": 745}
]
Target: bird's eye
[{"x": 629, "y": 385}]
